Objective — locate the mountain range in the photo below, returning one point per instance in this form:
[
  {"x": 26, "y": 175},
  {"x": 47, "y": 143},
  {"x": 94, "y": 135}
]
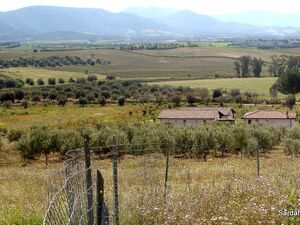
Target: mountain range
[{"x": 62, "y": 23}]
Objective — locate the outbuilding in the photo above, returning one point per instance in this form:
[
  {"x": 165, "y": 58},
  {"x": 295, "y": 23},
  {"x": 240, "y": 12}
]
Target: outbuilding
[
  {"x": 196, "y": 116},
  {"x": 270, "y": 117}
]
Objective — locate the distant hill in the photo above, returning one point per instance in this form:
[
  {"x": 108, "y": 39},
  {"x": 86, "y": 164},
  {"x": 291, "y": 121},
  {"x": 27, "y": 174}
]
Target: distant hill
[
  {"x": 61, "y": 23},
  {"x": 46, "y": 19},
  {"x": 190, "y": 22},
  {"x": 151, "y": 12},
  {"x": 263, "y": 19}
]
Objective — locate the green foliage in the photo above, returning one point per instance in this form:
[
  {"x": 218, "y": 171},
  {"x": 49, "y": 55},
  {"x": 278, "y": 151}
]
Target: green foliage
[
  {"x": 292, "y": 147},
  {"x": 203, "y": 143},
  {"x": 102, "y": 101},
  {"x": 121, "y": 101},
  {"x": 289, "y": 82},
  {"x": 62, "y": 100},
  {"x": 290, "y": 101},
  {"x": 83, "y": 101},
  {"x": 183, "y": 140},
  {"x": 15, "y": 135}
]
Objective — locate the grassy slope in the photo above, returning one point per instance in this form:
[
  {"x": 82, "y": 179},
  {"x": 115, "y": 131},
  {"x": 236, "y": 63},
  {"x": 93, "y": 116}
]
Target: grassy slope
[
  {"x": 158, "y": 63},
  {"x": 42, "y": 73},
  {"x": 221, "y": 190},
  {"x": 258, "y": 85},
  {"x": 72, "y": 115}
]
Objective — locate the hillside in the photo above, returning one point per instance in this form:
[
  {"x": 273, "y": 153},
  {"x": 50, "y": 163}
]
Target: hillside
[
  {"x": 62, "y": 23},
  {"x": 30, "y": 21}
]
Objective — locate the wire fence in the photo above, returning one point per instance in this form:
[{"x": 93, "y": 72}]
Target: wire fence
[{"x": 75, "y": 192}]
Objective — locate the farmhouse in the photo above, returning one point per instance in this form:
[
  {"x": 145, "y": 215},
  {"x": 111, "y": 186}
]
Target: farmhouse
[
  {"x": 270, "y": 117},
  {"x": 196, "y": 116}
]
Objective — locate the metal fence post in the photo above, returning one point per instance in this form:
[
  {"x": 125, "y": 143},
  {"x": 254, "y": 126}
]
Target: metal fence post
[
  {"x": 89, "y": 183},
  {"x": 257, "y": 162},
  {"x": 115, "y": 181},
  {"x": 167, "y": 173},
  {"x": 100, "y": 198}
]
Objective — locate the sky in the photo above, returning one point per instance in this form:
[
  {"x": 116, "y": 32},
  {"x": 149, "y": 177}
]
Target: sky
[{"x": 211, "y": 7}]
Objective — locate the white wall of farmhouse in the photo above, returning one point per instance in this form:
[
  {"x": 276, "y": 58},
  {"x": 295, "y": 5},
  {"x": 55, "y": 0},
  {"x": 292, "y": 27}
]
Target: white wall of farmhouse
[
  {"x": 182, "y": 122},
  {"x": 272, "y": 122}
]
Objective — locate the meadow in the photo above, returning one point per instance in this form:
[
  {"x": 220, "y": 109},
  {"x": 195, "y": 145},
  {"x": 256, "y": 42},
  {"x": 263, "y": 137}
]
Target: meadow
[
  {"x": 73, "y": 115},
  {"x": 42, "y": 73},
  {"x": 222, "y": 190},
  {"x": 200, "y": 62},
  {"x": 260, "y": 86}
]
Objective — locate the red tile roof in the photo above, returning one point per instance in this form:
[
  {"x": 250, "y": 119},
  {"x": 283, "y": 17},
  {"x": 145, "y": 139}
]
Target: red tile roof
[
  {"x": 194, "y": 113},
  {"x": 269, "y": 114}
]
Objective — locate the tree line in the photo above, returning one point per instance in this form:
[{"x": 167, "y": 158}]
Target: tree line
[
  {"x": 247, "y": 64},
  {"x": 51, "y": 61},
  {"x": 214, "y": 139},
  {"x": 90, "y": 90}
]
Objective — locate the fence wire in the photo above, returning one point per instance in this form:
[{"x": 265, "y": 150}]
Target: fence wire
[
  {"x": 67, "y": 192},
  {"x": 141, "y": 183}
]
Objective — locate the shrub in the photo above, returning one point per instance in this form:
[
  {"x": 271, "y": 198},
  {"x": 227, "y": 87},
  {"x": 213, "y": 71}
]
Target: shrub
[
  {"x": 24, "y": 104},
  {"x": 176, "y": 99},
  {"x": 217, "y": 93},
  {"x": 7, "y": 104},
  {"x": 102, "y": 101},
  {"x": 191, "y": 99},
  {"x": 290, "y": 101},
  {"x": 52, "y": 81},
  {"x": 251, "y": 147},
  {"x": 291, "y": 147},
  {"x": 40, "y": 82},
  {"x": 15, "y": 135},
  {"x": 121, "y": 101},
  {"x": 82, "y": 101},
  {"x": 183, "y": 140},
  {"x": 19, "y": 94},
  {"x": 202, "y": 141},
  {"x": 61, "y": 81},
  {"x": 62, "y": 100}
]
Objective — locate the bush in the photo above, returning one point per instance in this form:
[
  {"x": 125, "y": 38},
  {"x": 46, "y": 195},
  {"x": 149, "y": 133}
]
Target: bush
[
  {"x": 290, "y": 101},
  {"x": 102, "y": 101},
  {"x": 191, "y": 99},
  {"x": 121, "y": 101},
  {"x": 52, "y": 81},
  {"x": 251, "y": 147},
  {"x": 82, "y": 101},
  {"x": 61, "y": 81},
  {"x": 62, "y": 100},
  {"x": 24, "y": 104},
  {"x": 183, "y": 140},
  {"x": 15, "y": 135},
  {"x": 7, "y": 104},
  {"x": 292, "y": 147},
  {"x": 202, "y": 143},
  {"x": 40, "y": 82}
]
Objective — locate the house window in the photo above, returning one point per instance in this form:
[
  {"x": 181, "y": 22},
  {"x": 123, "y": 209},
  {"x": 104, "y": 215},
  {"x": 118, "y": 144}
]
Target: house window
[
  {"x": 249, "y": 121},
  {"x": 184, "y": 122}
]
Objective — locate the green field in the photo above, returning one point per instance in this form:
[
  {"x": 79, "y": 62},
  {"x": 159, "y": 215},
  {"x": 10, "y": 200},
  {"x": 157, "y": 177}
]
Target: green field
[
  {"x": 41, "y": 73},
  {"x": 73, "y": 115},
  {"x": 201, "y": 62},
  {"x": 258, "y": 85}
]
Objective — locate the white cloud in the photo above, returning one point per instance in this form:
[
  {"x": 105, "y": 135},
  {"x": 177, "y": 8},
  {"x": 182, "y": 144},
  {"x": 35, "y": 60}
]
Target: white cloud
[{"x": 201, "y": 6}]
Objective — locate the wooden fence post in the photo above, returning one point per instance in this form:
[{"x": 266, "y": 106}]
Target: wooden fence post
[
  {"x": 257, "y": 162},
  {"x": 89, "y": 183},
  {"x": 167, "y": 173},
  {"x": 115, "y": 181},
  {"x": 100, "y": 198}
]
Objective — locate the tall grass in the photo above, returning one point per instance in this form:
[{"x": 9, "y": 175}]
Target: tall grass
[{"x": 220, "y": 191}]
